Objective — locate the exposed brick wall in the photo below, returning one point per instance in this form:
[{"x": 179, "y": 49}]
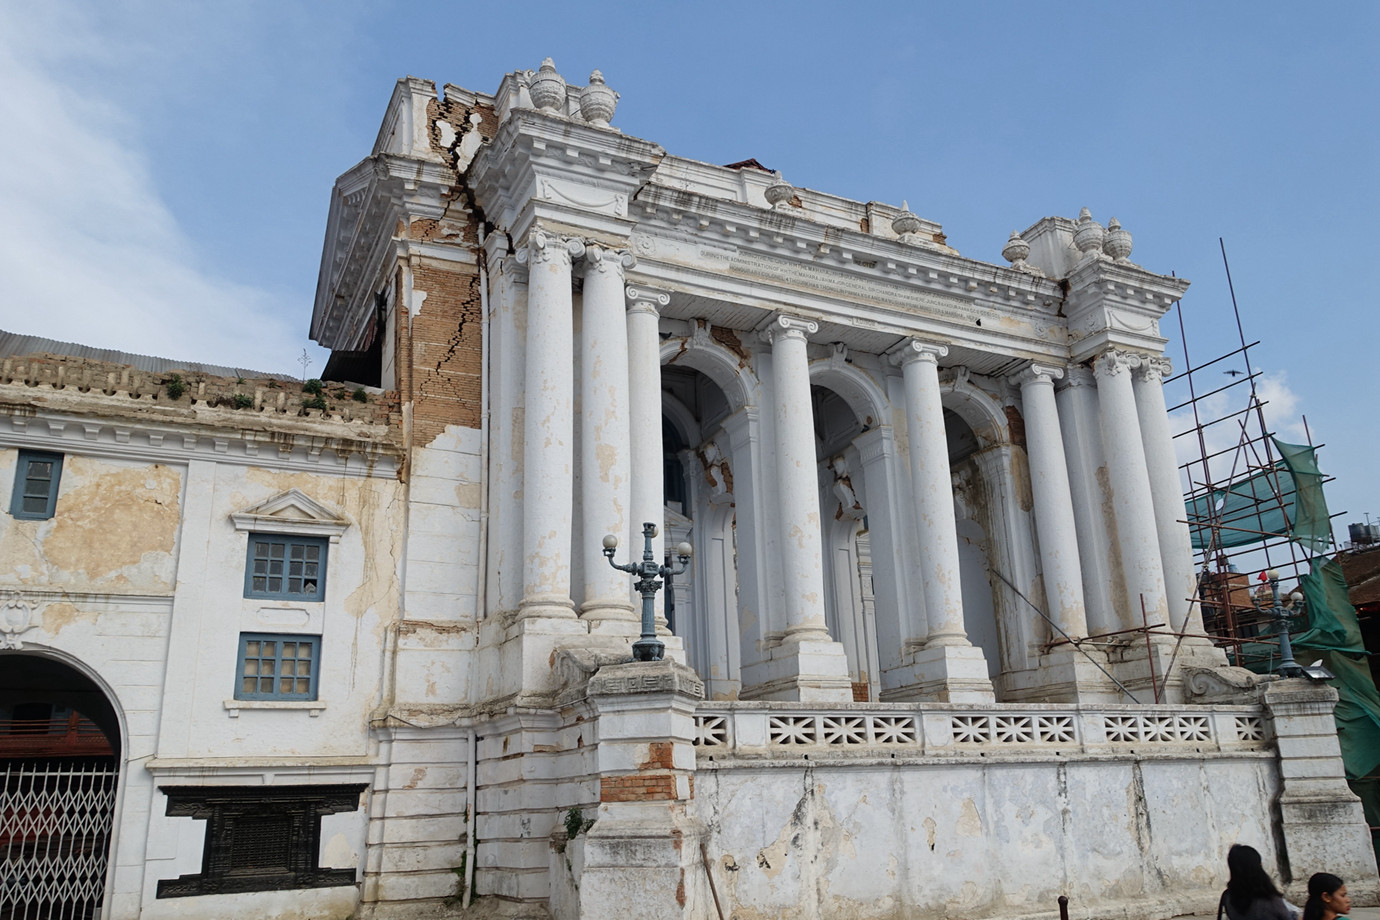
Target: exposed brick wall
[
  {"x": 445, "y": 383},
  {"x": 638, "y": 787}
]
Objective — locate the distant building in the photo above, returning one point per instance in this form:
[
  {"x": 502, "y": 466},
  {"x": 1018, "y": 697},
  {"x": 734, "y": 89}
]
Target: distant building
[{"x": 358, "y": 649}]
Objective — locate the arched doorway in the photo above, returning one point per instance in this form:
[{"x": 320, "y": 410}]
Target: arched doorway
[{"x": 60, "y": 761}]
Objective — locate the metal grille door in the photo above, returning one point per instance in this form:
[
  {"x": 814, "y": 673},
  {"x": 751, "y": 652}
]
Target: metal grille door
[{"x": 55, "y": 821}]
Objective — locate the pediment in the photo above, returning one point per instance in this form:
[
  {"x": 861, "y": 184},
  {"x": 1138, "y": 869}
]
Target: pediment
[{"x": 292, "y": 512}]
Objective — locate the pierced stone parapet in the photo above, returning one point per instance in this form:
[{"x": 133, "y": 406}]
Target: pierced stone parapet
[
  {"x": 247, "y": 397},
  {"x": 780, "y": 731}
]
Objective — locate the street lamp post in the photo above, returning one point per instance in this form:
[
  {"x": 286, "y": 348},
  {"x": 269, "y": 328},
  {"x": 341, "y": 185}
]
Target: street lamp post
[
  {"x": 1288, "y": 667},
  {"x": 649, "y": 647}
]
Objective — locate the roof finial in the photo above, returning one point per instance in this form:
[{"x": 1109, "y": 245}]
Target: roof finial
[{"x": 547, "y": 88}]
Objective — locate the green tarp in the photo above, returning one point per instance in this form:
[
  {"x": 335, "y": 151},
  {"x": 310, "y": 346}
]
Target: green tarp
[
  {"x": 1284, "y": 500},
  {"x": 1334, "y": 636}
]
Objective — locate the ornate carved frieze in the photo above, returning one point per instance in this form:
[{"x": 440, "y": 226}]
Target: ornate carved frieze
[
  {"x": 646, "y": 677},
  {"x": 18, "y": 615}
]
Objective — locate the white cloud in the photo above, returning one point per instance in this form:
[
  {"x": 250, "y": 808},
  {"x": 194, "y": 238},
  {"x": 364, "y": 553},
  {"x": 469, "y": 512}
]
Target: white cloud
[
  {"x": 1225, "y": 441},
  {"x": 89, "y": 250}
]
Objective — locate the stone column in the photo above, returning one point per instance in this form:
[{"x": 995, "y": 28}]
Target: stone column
[
  {"x": 933, "y": 492},
  {"x": 948, "y": 668},
  {"x": 797, "y": 479},
  {"x": 605, "y": 490},
  {"x": 648, "y": 492},
  {"x": 1176, "y": 550},
  {"x": 1077, "y": 404},
  {"x": 1049, "y": 483},
  {"x": 807, "y": 664},
  {"x": 548, "y": 429},
  {"x": 1132, "y": 501}
]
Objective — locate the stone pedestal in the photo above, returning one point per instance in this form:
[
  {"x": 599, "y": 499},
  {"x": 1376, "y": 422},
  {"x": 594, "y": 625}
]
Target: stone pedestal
[
  {"x": 1322, "y": 821},
  {"x": 947, "y": 674},
  {"x": 1065, "y": 675},
  {"x": 641, "y": 855}
]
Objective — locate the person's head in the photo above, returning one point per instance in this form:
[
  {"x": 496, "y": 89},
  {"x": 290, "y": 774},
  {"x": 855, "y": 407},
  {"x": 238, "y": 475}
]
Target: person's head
[
  {"x": 1327, "y": 897},
  {"x": 1248, "y": 881}
]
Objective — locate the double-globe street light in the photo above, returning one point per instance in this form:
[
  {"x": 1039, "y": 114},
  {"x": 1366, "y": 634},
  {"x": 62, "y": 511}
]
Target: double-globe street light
[{"x": 649, "y": 647}]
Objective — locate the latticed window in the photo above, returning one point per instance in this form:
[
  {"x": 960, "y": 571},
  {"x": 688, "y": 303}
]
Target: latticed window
[
  {"x": 36, "y": 485},
  {"x": 259, "y": 838},
  {"x": 286, "y": 568},
  {"x": 278, "y": 667}
]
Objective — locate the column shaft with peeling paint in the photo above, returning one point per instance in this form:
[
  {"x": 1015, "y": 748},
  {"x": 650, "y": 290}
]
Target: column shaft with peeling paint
[
  {"x": 548, "y": 431},
  {"x": 644, "y": 416},
  {"x": 933, "y": 488},
  {"x": 797, "y": 479},
  {"x": 604, "y": 438},
  {"x": 1132, "y": 500},
  {"x": 1049, "y": 482},
  {"x": 1176, "y": 551}
]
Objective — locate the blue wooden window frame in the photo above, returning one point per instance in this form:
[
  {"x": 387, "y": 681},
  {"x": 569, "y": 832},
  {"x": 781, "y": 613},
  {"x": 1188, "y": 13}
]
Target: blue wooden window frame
[
  {"x": 287, "y": 568},
  {"x": 277, "y": 667},
  {"x": 36, "y": 479}
]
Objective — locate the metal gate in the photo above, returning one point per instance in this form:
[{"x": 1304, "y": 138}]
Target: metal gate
[{"x": 55, "y": 822}]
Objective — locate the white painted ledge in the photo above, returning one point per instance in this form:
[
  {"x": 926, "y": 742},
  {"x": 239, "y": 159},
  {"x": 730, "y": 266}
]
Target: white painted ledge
[{"x": 313, "y": 707}]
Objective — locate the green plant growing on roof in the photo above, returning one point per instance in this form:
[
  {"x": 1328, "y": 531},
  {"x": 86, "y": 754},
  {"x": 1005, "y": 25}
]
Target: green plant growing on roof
[
  {"x": 175, "y": 386},
  {"x": 313, "y": 387}
]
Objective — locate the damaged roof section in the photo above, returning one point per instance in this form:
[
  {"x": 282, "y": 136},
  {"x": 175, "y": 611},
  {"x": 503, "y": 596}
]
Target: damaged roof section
[{"x": 14, "y": 345}]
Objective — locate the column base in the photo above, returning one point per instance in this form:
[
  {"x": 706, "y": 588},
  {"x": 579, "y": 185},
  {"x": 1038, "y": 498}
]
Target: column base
[
  {"x": 944, "y": 674},
  {"x": 611, "y": 619},
  {"x": 801, "y": 669},
  {"x": 1160, "y": 667},
  {"x": 527, "y": 654},
  {"x": 1064, "y": 675},
  {"x": 548, "y": 606}
]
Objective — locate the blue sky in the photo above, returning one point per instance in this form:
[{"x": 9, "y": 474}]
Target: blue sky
[{"x": 166, "y": 168}]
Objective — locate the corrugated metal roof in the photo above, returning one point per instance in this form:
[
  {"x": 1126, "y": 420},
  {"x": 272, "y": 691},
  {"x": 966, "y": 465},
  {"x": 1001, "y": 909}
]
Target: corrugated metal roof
[{"x": 14, "y": 345}]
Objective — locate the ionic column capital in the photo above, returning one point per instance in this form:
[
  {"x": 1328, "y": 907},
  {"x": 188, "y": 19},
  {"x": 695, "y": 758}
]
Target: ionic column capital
[
  {"x": 603, "y": 260},
  {"x": 1114, "y": 361},
  {"x": 919, "y": 350},
  {"x": 1037, "y": 374},
  {"x": 646, "y": 300},
  {"x": 784, "y": 326},
  {"x": 1153, "y": 369},
  {"x": 1077, "y": 375},
  {"x": 543, "y": 247}
]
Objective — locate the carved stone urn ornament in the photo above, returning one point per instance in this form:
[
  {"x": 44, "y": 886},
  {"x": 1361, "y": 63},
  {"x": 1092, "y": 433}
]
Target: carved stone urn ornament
[
  {"x": 547, "y": 88},
  {"x": 1016, "y": 250},
  {"x": 1118, "y": 242},
  {"x": 905, "y": 223},
  {"x": 597, "y": 101},
  {"x": 1089, "y": 235},
  {"x": 780, "y": 191}
]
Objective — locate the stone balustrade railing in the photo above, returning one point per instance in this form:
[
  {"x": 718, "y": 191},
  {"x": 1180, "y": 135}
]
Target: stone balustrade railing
[
  {"x": 258, "y": 396},
  {"x": 791, "y": 731}
]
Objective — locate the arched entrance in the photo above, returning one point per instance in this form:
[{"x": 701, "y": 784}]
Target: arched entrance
[{"x": 60, "y": 760}]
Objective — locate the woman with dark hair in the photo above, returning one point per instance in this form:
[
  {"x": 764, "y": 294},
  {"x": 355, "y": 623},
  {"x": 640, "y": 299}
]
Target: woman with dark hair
[
  {"x": 1251, "y": 893},
  {"x": 1327, "y": 898}
]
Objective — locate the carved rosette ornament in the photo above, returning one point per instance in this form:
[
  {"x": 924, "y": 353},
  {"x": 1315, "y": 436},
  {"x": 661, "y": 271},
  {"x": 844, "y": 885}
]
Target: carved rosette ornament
[
  {"x": 779, "y": 192},
  {"x": 905, "y": 223},
  {"x": 1118, "y": 242},
  {"x": 597, "y": 101},
  {"x": 1089, "y": 235},
  {"x": 18, "y": 615},
  {"x": 547, "y": 88}
]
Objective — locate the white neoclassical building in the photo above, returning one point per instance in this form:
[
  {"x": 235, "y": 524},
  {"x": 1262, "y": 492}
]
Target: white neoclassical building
[{"x": 934, "y": 651}]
